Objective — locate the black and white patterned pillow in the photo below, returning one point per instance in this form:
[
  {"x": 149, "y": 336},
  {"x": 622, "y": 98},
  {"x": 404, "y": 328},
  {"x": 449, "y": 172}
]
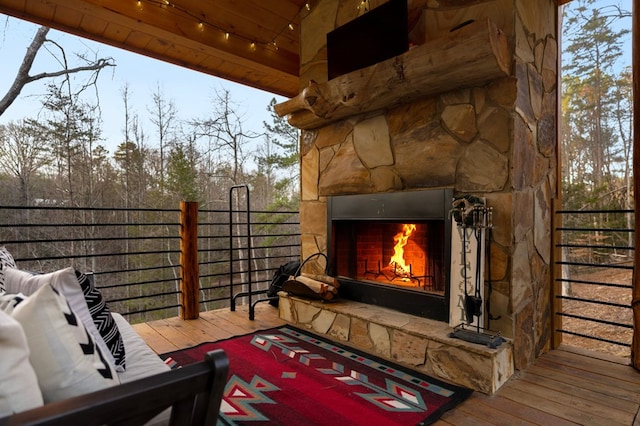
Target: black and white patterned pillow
[
  {"x": 103, "y": 319},
  {"x": 6, "y": 261},
  {"x": 63, "y": 353}
]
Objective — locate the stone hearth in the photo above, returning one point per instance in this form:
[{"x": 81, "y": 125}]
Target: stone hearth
[{"x": 417, "y": 343}]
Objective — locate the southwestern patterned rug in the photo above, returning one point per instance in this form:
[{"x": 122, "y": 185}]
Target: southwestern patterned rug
[{"x": 286, "y": 376}]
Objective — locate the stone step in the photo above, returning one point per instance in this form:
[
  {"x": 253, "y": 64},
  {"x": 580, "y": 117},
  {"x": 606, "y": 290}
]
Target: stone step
[{"x": 418, "y": 343}]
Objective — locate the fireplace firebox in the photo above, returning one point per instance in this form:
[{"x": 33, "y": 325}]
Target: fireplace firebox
[{"x": 393, "y": 249}]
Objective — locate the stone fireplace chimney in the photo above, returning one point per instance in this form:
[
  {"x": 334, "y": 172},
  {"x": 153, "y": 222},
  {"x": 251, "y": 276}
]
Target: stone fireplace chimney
[{"x": 495, "y": 139}]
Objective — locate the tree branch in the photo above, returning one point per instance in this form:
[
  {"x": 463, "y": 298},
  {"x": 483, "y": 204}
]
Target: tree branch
[{"x": 23, "y": 78}]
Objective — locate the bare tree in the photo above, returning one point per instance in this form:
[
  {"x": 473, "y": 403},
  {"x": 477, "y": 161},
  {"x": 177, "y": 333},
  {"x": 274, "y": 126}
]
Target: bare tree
[
  {"x": 163, "y": 115},
  {"x": 23, "y": 154},
  {"x": 225, "y": 129},
  {"x": 39, "y": 42}
]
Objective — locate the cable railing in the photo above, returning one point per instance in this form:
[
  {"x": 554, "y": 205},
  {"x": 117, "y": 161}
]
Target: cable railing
[
  {"x": 594, "y": 279},
  {"x": 135, "y": 254}
]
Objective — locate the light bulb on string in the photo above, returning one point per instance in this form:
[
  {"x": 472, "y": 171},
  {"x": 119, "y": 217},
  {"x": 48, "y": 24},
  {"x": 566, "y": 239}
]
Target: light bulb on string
[{"x": 200, "y": 23}]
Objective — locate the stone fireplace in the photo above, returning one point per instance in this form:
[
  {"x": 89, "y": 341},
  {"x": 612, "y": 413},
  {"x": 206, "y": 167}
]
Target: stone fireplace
[
  {"x": 493, "y": 137},
  {"x": 393, "y": 249}
]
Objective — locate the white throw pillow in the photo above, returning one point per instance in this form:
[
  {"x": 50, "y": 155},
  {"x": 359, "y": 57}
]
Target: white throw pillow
[
  {"x": 63, "y": 353},
  {"x": 66, "y": 282},
  {"x": 19, "y": 389}
]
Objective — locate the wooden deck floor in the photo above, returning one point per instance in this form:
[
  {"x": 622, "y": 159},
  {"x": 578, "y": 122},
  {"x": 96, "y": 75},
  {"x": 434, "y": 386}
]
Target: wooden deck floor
[{"x": 563, "y": 387}]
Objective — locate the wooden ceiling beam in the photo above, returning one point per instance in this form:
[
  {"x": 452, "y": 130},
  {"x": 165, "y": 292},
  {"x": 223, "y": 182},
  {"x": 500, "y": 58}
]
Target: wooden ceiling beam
[{"x": 170, "y": 37}]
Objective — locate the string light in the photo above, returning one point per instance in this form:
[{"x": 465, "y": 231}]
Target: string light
[
  {"x": 201, "y": 24},
  {"x": 363, "y": 6}
]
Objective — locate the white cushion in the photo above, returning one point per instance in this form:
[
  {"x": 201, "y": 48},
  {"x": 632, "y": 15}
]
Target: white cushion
[
  {"x": 66, "y": 282},
  {"x": 19, "y": 389},
  {"x": 142, "y": 361},
  {"x": 63, "y": 354}
]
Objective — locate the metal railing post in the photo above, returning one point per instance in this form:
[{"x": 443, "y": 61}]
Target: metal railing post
[{"x": 249, "y": 259}]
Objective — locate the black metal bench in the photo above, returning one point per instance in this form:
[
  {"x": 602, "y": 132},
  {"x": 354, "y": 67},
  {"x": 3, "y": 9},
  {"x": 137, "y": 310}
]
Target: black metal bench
[{"x": 193, "y": 392}]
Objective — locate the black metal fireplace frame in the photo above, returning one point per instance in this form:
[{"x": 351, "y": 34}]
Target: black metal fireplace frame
[{"x": 430, "y": 204}]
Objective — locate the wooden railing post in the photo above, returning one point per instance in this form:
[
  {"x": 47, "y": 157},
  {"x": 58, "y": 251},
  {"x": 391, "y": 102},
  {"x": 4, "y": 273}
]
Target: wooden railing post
[
  {"x": 635, "y": 295},
  {"x": 190, "y": 273}
]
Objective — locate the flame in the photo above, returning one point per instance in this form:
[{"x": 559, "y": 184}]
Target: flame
[{"x": 400, "y": 240}]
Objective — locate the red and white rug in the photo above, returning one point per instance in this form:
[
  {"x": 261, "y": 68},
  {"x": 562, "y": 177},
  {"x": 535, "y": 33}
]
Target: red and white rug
[{"x": 289, "y": 377}]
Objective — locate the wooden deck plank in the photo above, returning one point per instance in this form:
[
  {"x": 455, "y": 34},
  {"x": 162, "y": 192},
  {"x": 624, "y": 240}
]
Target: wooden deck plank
[
  {"x": 595, "y": 365},
  {"x": 597, "y": 375},
  {"x": 522, "y": 411},
  {"x": 173, "y": 330},
  {"x": 562, "y": 388},
  {"x": 459, "y": 417},
  {"x": 591, "y": 354},
  {"x": 608, "y": 386},
  {"x": 608, "y": 402},
  {"x": 526, "y": 393},
  {"x": 572, "y": 401},
  {"x": 491, "y": 415},
  {"x": 157, "y": 342}
]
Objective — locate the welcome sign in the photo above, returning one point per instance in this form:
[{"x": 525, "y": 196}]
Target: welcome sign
[{"x": 467, "y": 271}]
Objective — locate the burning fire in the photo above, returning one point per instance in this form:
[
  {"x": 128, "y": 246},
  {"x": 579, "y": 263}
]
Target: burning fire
[{"x": 400, "y": 240}]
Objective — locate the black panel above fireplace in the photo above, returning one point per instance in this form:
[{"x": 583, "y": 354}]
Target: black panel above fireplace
[
  {"x": 348, "y": 215},
  {"x": 379, "y": 34}
]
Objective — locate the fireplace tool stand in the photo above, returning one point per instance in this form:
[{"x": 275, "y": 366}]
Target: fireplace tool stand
[{"x": 470, "y": 213}]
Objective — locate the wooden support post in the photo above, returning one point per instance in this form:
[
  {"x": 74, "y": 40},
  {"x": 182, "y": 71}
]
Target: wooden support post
[
  {"x": 635, "y": 299},
  {"x": 190, "y": 283}
]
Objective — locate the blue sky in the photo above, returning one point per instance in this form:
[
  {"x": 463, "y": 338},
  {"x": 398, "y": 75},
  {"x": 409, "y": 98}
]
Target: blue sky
[{"x": 190, "y": 91}]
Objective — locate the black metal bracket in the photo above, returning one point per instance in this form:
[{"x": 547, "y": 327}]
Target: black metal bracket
[{"x": 480, "y": 336}]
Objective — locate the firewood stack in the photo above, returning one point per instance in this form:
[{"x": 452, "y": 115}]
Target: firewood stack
[{"x": 312, "y": 286}]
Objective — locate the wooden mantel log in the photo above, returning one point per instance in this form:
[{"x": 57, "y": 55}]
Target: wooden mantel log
[{"x": 471, "y": 55}]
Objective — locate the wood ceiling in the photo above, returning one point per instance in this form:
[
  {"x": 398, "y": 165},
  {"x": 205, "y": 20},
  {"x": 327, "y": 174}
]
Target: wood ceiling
[
  {"x": 230, "y": 39},
  {"x": 246, "y": 41}
]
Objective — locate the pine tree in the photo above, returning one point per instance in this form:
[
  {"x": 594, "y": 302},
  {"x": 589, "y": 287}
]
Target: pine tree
[{"x": 592, "y": 54}]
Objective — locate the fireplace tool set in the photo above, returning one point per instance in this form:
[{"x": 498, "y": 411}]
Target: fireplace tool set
[{"x": 473, "y": 217}]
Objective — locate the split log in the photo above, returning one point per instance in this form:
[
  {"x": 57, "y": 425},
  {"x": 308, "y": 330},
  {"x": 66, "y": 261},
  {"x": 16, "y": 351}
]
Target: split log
[
  {"x": 317, "y": 286},
  {"x": 472, "y": 55},
  {"x": 307, "y": 287},
  {"x": 322, "y": 278}
]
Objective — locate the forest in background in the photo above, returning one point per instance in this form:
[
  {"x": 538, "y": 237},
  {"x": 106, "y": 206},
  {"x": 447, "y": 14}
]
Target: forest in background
[
  {"x": 117, "y": 214},
  {"x": 60, "y": 158}
]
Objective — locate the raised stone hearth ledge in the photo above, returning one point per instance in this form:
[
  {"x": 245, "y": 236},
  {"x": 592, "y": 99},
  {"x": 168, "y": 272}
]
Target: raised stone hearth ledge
[{"x": 418, "y": 343}]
